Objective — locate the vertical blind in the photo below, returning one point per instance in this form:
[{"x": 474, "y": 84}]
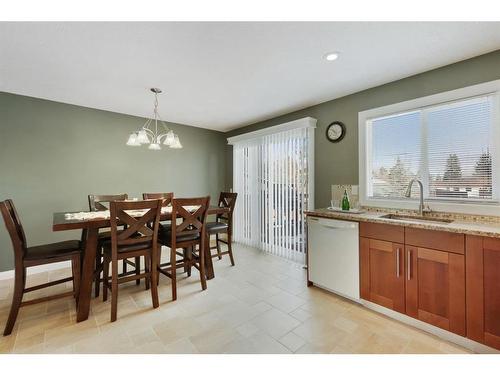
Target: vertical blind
[
  {"x": 273, "y": 178},
  {"x": 451, "y": 147}
]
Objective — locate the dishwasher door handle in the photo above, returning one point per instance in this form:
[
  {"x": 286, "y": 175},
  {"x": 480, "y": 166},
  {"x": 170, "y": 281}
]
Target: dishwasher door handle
[{"x": 352, "y": 226}]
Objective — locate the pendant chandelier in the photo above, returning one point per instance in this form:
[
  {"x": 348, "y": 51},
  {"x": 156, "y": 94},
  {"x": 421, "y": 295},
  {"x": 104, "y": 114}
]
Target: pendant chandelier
[{"x": 154, "y": 132}]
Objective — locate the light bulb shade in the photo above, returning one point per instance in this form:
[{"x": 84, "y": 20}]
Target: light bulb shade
[
  {"x": 132, "y": 140},
  {"x": 154, "y": 146},
  {"x": 142, "y": 137},
  {"x": 177, "y": 143},
  {"x": 169, "y": 139}
]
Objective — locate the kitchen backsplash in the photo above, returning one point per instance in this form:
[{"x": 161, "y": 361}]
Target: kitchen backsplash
[{"x": 338, "y": 193}]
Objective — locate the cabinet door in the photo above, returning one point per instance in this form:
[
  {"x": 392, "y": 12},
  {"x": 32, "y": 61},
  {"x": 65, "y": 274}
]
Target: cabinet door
[
  {"x": 435, "y": 288},
  {"x": 483, "y": 290},
  {"x": 382, "y": 273}
]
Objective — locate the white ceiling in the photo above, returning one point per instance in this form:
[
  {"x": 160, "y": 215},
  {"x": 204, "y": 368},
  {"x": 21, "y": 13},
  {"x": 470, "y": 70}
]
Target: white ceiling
[{"x": 224, "y": 75}]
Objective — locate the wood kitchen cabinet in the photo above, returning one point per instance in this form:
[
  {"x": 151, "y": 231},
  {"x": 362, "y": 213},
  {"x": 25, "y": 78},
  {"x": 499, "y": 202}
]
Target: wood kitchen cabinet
[
  {"x": 415, "y": 271},
  {"x": 435, "y": 278},
  {"x": 435, "y": 288},
  {"x": 483, "y": 290},
  {"x": 382, "y": 273},
  {"x": 382, "y": 265}
]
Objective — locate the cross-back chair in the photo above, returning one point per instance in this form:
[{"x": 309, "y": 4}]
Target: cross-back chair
[
  {"x": 139, "y": 239},
  {"x": 101, "y": 202},
  {"x": 223, "y": 225},
  {"x": 25, "y": 257},
  {"x": 188, "y": 231}
]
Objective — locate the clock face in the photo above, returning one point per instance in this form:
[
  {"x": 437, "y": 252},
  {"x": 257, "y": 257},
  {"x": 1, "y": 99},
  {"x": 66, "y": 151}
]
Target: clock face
[{"x": 335, "y": 131}]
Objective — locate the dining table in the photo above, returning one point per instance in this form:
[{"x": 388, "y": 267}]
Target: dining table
[{"x": 90, "y": 224}]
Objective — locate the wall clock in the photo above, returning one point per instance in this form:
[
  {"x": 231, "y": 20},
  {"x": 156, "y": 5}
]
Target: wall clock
[{"x": 335, "y": 131}]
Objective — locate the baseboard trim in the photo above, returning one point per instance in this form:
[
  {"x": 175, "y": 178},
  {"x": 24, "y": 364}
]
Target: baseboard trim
[
  {"x": 441, "y": 333},
  {"x": 6, "y": 275}
]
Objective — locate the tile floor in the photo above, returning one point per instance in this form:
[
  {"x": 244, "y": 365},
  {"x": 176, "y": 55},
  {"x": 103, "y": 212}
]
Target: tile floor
[{"x": 261, "y": 305}]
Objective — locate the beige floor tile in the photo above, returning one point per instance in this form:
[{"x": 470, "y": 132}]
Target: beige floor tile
[
  {"x": 214, "y": 340},
  {"x": 247, "y": 329},
  {"x": 285, "y": 301},
  {"x": 275, "y": 323},
  {"x": 262, "y": 305},
  {"x": 182, "y": 346},
  {"x": 258, "y": 343},
  {"x": 292, "y": 341},
  {"x": 322, "y": 334}
]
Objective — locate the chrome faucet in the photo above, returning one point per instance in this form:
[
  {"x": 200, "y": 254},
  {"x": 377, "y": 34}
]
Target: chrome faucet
[{"x": 408, "y": 195}]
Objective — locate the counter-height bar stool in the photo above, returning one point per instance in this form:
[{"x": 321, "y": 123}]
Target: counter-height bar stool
[
  {"x": 188, "y": 231},
  {"x": 101, "y": 203},
  {"x": 167, "y": 201},
  {"x": 25, "y": 257},
  {"x": 223, "y": 225},
  {"x": 139, "y": 239}
]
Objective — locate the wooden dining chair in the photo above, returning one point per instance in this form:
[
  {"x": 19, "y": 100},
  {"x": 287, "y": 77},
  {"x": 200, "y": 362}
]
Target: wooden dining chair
[
  {"x": 127, "y": 243},
  {"x": 167, "y": 200},
  {"x": 167, "y": 197},
  {"x": 188, "y": 231},
  {"x": 101, "y": 203},
  {"x": 223, "y": 225},
  {"x": 25, "y": 257}
]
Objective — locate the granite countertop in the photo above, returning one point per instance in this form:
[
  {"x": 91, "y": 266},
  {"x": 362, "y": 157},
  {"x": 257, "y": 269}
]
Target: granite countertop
[{"x": 466, "y": 224}]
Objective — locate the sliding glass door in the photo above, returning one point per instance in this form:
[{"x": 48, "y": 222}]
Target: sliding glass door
[{"x": 273, "y": 176}]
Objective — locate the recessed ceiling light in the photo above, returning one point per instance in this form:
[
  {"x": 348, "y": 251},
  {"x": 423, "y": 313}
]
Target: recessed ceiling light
[{"x": 331, "y": 56}]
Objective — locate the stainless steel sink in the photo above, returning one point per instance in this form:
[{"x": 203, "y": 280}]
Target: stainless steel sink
[{"x": 416, "y": 218}]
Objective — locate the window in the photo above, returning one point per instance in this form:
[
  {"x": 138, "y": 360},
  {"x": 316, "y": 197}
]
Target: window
[{"x": 449, "y": 143}]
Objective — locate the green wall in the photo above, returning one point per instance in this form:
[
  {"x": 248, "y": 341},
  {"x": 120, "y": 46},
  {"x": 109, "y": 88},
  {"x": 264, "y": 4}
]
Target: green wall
[
  {"x": 52, "y": 155},
  {"x": 337, "y": 163}
]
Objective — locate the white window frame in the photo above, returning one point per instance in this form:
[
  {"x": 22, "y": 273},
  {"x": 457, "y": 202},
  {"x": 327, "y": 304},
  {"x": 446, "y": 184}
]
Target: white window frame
[{"x": 483, "y": 208}]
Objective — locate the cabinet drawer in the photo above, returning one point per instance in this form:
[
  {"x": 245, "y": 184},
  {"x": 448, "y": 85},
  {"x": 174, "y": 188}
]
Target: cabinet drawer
[
  {"x": 433, "y": 239},
  {"x": 385, "y": 232}
]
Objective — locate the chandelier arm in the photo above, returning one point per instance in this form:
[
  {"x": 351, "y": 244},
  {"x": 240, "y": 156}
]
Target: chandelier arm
[
  {"x": 145, "y": 125},
  {"x": 164, "y": 123}
]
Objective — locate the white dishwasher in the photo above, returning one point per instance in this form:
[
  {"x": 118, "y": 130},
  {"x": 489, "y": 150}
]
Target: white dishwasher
[{"x": 333, "y": 252}]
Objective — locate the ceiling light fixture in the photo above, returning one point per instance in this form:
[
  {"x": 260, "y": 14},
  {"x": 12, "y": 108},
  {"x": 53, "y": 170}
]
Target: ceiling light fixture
[
  {"x": 332, "y": 56},
  {"x": 154, "y": 131}
]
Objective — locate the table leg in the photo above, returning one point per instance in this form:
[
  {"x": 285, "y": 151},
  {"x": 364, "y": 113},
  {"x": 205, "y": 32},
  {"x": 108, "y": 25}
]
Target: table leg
[
  {"x": 209, "y": 266},
  {"x": 87, "y": 275}
]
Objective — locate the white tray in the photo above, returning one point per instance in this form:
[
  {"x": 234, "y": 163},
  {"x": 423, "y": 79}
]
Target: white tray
[{"x": 351, "y": 211}]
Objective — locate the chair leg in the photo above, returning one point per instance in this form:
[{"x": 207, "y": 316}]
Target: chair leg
[
  {"x": 114, "y": 289},
  {"x": 158, "y": 262},
  {"x": 124, "y": 265},
  {"x": 189, "y": 260},
  {"x": 185, "y": 253},
  {"x": 75, "y": 266},
  {"x": 201, "y": 258},
  {"x": 98, "y": 265},
  {"x": 173, "y": 273},
  {"x": 105, "y": 279},
  {"x": 154, "y": 279},
  {"x": 230, "y": 248},
  {"x": 218, "y": 245},
  {"x": 147, "y": 262},
  {"x": 19, "y": 283},
  {"x": 137, "y": 269}
]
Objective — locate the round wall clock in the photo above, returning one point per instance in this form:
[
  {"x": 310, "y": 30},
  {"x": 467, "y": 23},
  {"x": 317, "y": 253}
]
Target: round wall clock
[{"x": 335, "y": 131}]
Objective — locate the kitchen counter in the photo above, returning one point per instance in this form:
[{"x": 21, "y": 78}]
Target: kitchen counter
[{"x": 490, "y": 227}]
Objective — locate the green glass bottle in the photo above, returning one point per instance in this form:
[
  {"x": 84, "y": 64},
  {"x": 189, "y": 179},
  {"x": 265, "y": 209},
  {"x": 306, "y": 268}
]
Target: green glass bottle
[{"x": 345, "y": 201}]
